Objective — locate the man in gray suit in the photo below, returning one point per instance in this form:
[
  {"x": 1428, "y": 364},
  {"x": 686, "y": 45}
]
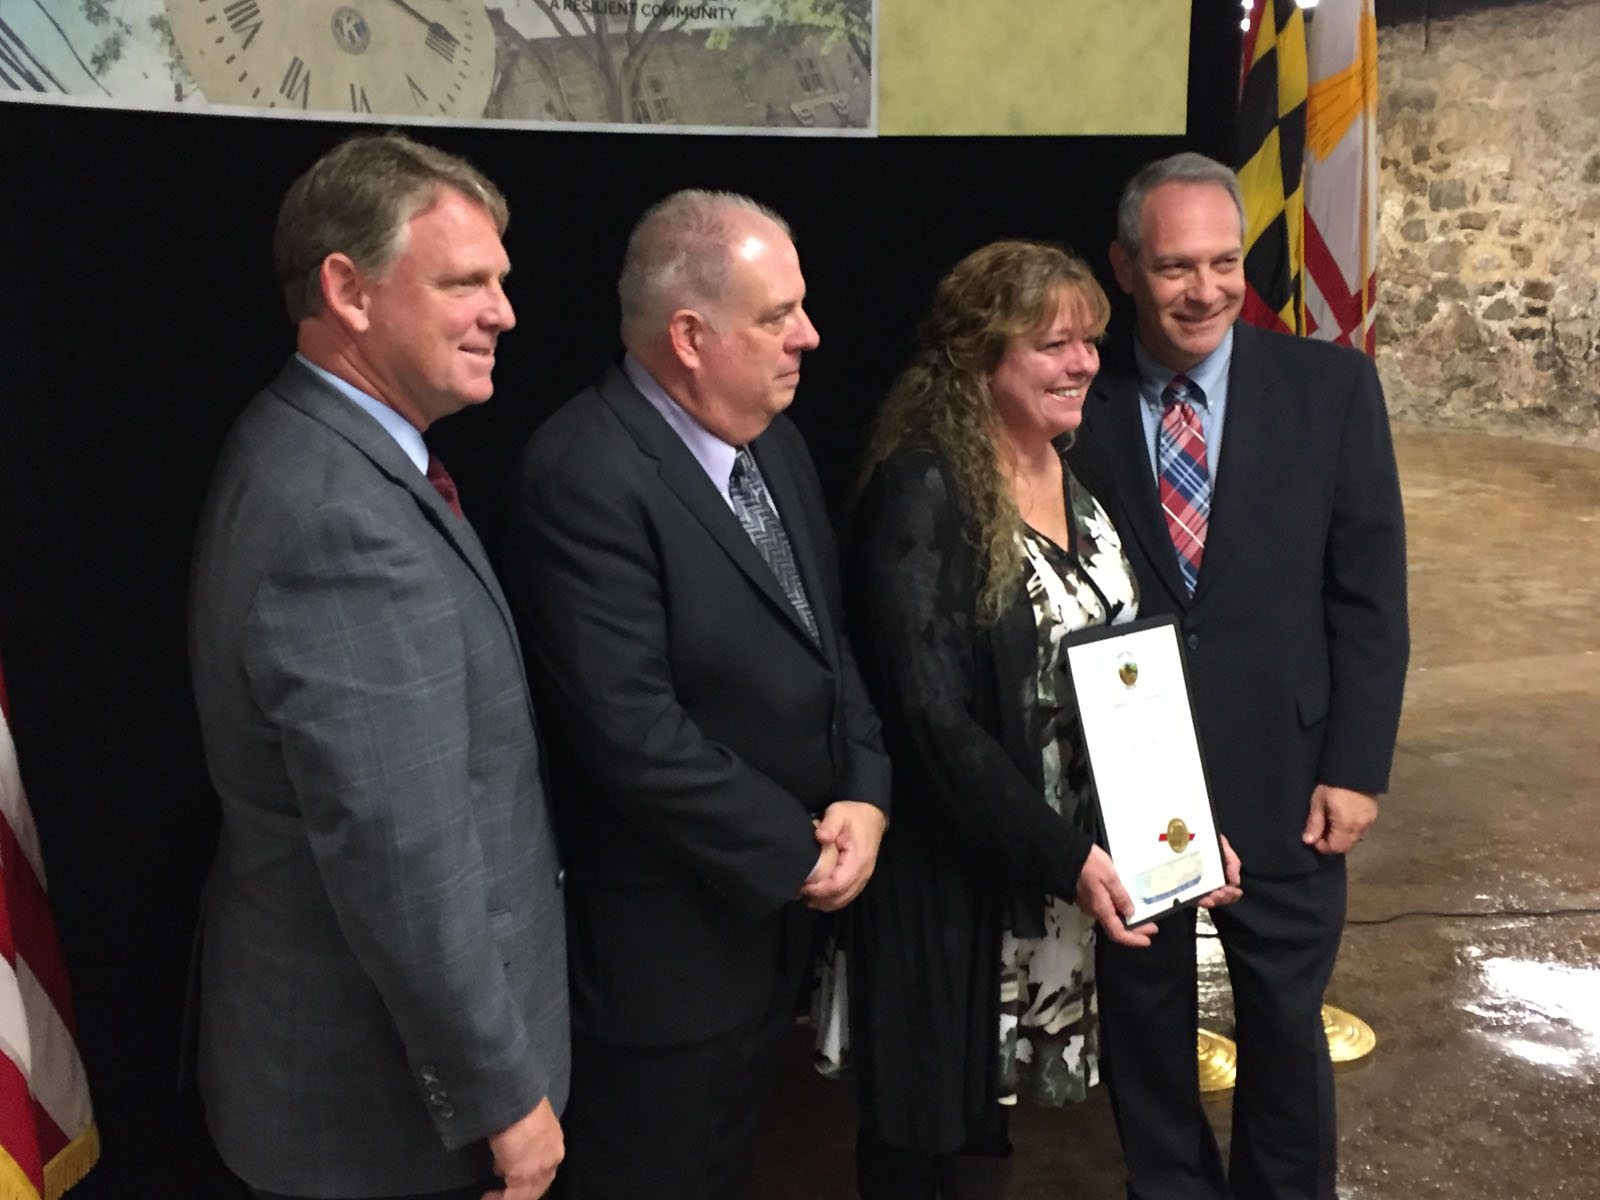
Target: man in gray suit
[{"x": 382, "y": 1004}]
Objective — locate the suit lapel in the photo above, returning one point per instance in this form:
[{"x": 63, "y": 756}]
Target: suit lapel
[
  {"x": 1252, "y": 428},
  {"x": 682, "y": 474},
  {"x": 322, "y": 403},
  {"x": 1119, "y": 430}
]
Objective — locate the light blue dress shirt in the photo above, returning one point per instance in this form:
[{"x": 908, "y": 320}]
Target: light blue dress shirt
[
  {"x": 400, "y": 429},
  {"x": 1210, "y": 375}
]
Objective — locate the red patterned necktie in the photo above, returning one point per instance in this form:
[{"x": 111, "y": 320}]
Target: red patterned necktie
[
  {"x": 443, "y": 484},
  {"x": 1185, "y": 481}
]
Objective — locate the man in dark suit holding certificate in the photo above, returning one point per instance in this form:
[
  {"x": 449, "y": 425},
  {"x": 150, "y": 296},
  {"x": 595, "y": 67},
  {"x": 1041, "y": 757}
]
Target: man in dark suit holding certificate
[
  {"x": 715, "y": 756},
  {"x": 382, "y": 1007},
  {"x": 1258, "y": 499}
]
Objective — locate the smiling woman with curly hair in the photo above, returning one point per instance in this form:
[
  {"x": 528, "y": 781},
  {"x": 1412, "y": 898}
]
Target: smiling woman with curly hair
[{"x": 975, "y": 552}]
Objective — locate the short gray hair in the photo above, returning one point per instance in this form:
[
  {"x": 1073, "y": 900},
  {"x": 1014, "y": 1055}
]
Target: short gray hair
[
  {"x": 358, "y": 199},
  {"x": 1187, "y": 167},
  {"x": 679, "y": 254}
]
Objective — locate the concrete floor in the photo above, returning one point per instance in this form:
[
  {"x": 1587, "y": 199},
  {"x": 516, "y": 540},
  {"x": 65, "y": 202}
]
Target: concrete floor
[{"x": 1485, "y": 1084}]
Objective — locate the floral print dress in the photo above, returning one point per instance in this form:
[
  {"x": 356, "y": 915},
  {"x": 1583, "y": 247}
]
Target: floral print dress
[{"x": 1049, "y": 1030}]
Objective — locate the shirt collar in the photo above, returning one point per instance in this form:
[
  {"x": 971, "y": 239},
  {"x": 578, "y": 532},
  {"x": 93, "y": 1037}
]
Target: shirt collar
[
  {"x": 1210, "y": 374},
  {"x": 401, "y": 430},
  {"x": 714, "y": 455}
]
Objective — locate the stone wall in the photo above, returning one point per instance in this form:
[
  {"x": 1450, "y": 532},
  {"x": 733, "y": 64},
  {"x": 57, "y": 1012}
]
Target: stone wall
[{"x": 1488, "y": 259}]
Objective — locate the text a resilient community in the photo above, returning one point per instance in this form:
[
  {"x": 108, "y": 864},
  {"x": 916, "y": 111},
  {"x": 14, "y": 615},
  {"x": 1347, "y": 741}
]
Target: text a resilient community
[{"x": 650, "y": 8}]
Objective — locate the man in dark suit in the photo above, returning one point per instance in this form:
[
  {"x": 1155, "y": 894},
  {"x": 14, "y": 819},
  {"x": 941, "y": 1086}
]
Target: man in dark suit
[
  {"x": 1257, "y": 495},
  {"x": 382, "y": 1006},
  {"x": 716, "y": 757}
]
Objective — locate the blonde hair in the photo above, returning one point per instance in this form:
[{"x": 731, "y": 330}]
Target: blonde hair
[
  {"x": 358, "y": 199},
  {"x": 995, "y": 295}
]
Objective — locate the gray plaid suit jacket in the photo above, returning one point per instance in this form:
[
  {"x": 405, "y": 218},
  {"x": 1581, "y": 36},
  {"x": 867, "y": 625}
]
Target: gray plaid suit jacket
[{"x": 382, "y": 965}]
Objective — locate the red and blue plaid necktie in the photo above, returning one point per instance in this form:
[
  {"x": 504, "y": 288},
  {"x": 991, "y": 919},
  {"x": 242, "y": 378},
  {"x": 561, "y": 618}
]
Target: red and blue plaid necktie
[{"x": 1185, "y": 482}]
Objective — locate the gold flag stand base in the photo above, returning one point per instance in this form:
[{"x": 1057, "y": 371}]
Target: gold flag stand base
[
  {"x": 1349, "y": 1039},
  {"x": 1219, "y": 1061}
]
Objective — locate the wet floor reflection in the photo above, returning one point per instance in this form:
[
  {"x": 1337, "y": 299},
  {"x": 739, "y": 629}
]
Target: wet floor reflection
[
  {"x": 1216, "y": 995},
  {"x": 1545, "y": 1013},
  {"x": 1483, "y": 1084}
]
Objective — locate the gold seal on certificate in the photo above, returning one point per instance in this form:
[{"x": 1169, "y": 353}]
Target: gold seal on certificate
[
  {"x": 1127, "y": 670},
  {"x": 1138, "y": 726},
  {"x": 1177, "y": 835}
]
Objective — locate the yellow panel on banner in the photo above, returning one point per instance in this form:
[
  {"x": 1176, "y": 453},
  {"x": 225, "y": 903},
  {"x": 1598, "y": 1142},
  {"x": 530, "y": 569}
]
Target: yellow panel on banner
[{"x": 1033, "y": 66}]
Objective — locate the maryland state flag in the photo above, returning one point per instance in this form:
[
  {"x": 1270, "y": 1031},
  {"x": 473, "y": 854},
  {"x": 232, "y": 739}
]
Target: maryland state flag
[
  {"x": 1341, "y": 173},
  {"x": 1271, "y": 144},
  {"x": 1308, "y": 168},
  {"x": 48, "y": 1139}
]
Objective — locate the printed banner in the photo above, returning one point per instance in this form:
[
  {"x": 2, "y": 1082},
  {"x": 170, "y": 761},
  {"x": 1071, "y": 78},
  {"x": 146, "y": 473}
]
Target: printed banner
[{"x": 753, "y": 66}]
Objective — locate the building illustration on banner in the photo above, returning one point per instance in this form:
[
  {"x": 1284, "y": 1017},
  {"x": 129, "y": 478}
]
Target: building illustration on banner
[{"x": 753, "y": 65}]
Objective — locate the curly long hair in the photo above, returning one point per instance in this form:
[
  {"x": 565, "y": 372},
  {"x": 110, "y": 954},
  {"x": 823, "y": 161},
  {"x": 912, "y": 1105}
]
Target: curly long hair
[{"x": 995, "y": 295}]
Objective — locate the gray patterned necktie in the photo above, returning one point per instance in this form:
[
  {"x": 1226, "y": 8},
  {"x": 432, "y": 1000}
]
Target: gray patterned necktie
[{"x": 748, "y": 491}]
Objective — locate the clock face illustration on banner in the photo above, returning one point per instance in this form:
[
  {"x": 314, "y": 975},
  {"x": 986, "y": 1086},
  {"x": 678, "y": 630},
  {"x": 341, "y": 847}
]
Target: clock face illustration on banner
[{"x": 425, "y": 58}]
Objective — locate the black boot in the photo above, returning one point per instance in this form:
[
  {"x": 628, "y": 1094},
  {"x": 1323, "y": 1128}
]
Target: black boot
[
  {"x": 885, "y": 1172},
  {"x": 975, "y": 1176}
]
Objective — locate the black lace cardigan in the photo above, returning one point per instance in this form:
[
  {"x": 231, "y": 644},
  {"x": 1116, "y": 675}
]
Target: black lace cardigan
[{"x": 973, "y": 848}]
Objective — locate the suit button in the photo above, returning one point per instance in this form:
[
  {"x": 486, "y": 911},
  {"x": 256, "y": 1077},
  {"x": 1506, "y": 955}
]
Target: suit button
[
  {"x": 1192, "y": 641},
  {"x": 561, "y": 877}
]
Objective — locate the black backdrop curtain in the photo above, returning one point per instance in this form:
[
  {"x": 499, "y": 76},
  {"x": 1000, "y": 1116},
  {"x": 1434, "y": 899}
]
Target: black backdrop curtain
[{"x": 138, "y": 314}]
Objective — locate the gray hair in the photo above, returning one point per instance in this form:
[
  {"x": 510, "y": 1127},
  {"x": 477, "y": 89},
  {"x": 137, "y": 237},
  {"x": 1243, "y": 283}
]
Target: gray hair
[
  {"x": 358, "y": 199},
  {"x": 1187, "y": 167},
  {"x": 679, "y": 254}
]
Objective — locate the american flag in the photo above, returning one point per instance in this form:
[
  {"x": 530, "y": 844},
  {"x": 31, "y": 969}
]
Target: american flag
[{"x": 48, "y": 1139}]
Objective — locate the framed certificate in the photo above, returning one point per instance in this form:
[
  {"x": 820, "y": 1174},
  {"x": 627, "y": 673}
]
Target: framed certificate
[{"x": 1138, "y": 725}]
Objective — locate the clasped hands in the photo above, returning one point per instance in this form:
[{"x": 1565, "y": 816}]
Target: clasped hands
[{"x": 849, "y": 834}]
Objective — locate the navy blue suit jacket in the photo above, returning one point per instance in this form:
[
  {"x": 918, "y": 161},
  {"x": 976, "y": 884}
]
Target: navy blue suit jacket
[
  {"x": 696, "y": 728},
  {"x": 1296, "y": 634}
]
